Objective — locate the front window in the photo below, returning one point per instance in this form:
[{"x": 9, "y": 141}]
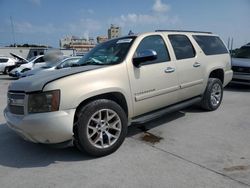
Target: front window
[
  {"x": 108, "y": 53},
  {"x": 157, "y": 44}
]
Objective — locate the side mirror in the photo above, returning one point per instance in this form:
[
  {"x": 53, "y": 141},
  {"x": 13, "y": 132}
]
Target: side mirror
[{"x": 143, "y": 56}]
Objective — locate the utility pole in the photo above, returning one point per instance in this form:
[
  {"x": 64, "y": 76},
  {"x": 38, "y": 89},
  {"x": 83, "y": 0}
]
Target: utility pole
[
  {"x": 228, "y": 43},
  {"x": 13, "y": 31},
  {"x": 232, "y": 41}
]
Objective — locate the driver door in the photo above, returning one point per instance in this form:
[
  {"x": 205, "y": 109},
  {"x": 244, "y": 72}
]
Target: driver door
[{"x": 155, "y": 83}]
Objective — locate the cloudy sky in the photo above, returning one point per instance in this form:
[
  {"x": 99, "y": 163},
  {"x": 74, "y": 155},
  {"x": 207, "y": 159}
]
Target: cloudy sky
[{"x": 46, "y": 21}]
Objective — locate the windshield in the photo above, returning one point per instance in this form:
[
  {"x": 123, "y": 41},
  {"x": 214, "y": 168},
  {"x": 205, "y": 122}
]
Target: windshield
[
  {"x": 108, "y": 53},
  {"x": 70, "y": 62},
  {"x": 243, "y": 52}
]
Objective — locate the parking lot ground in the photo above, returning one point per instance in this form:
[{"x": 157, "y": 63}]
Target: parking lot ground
[{"x": 189, "y": 148}]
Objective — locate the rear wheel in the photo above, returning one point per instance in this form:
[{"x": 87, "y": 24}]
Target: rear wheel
[
  {"x": 101, "y": 127},
  {"x": 213, "y": 95}
]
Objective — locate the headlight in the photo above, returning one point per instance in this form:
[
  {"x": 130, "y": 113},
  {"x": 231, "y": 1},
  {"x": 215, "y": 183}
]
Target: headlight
[{"x": 44, "y": 102}]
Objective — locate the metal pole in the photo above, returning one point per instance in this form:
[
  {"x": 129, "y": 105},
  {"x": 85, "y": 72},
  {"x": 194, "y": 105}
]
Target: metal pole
[
  {"x": 13, "y": 31},
  {"x": 232, "y": 41}
]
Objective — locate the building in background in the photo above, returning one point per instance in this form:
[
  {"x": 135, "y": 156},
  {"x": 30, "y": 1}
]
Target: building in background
[
  {"x": 114, "y": 32},
  {"x": 80, "y": 45},
  {"x": 101, "y": 39},
  {"x": 25, "y": 52}
]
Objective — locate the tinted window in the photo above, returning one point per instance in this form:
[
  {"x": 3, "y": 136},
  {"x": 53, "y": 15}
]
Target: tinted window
[
  {"x": 182, "y": 46},
  {"x": 3, "y": 60},
  {"x": 39, "y": 60},
  {"x": 157, "y": 44},
  {"x": 211, "y": 45}
]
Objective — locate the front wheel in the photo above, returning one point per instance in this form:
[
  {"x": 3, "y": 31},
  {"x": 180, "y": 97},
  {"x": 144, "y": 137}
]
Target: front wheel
[
  {"x": 101, "y": 127},
  {"x": 213, "y": 95}
]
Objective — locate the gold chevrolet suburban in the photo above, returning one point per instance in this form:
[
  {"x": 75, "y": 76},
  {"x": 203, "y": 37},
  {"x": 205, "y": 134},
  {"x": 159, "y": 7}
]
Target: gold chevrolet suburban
[{"x": 121, "y": 81}]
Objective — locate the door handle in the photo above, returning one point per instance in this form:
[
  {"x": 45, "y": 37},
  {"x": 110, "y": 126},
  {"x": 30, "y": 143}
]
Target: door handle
[
  {"x": 196, "y": 64},
  {"x": 169, "y": 69}
]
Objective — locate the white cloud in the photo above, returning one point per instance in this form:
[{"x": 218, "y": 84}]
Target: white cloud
[
  {"x": 83, "y": 27},
  {"x": 27, "y": 27},
  {"x": 157, "y": 18},
  {"x": 160, "y": 7},
  {"x": 90, "y": 11},
  {"x": 35, "y": 2},
  {"x": 133, "y": 19}
]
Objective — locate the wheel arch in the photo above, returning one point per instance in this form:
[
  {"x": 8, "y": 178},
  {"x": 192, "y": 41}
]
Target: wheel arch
[
  {"x": 117, "y": 97},
  {"x": 217, "y": 73}
]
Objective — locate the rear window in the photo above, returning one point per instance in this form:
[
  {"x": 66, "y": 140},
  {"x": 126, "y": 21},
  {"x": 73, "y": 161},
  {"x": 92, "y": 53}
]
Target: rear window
[
  {"x": 210, "y": 45},
  {"x": 182, "y": 46}
]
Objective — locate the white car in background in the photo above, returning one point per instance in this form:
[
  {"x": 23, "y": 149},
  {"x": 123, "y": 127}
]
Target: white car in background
[
  {"x": 35, "y": 62},
  {"x": 64, "y": 63},
  {"x": 5, "y": 62}
]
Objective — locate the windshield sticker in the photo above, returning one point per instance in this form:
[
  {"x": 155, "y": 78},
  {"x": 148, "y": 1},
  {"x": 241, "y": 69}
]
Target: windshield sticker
[{"x": 124, "y": 41}]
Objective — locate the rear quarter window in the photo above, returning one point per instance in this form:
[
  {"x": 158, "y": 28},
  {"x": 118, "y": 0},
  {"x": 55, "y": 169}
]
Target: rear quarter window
[{"x": 210, "y": 45}]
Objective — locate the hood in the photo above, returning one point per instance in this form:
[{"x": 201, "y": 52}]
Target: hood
[
  {"x": 18, "y": 57},
  {"x": 38, "y": 81},
  {"x": 31, "y": 72},
  {"x": 241, "y": 62}
]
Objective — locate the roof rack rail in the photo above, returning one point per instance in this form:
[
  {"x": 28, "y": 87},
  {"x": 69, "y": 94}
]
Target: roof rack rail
[{"x": 184, "y": 31}]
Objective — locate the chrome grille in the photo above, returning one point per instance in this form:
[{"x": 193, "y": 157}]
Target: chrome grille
[{"x": 16, "y": 103}]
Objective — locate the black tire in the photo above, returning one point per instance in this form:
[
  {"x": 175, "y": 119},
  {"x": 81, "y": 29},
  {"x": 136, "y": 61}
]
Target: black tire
[
  {"x": 83, "y": 141},
  {"x": 210, "y": 100}
]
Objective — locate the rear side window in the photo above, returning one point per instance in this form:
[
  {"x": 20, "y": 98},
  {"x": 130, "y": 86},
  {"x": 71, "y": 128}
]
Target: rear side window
[
  {"x": 210, "y": 45},
  {"x": 156, "y": 43},
  {"x": 3, "y": 60},
  {"x": 182, "y": 46}
]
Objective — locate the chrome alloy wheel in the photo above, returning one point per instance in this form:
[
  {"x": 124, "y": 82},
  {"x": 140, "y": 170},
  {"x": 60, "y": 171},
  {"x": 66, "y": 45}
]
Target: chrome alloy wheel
[
  {"x": 104, "y": 128},
  {"x": 216, "y": 94}
]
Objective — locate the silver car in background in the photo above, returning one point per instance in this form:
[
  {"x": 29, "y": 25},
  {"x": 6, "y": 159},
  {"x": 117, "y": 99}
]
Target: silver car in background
[{"x": 241, "y": 66}]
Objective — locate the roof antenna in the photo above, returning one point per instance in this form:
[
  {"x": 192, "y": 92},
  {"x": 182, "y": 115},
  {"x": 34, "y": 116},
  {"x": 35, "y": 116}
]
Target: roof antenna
[{"x": 13, "y": 31}]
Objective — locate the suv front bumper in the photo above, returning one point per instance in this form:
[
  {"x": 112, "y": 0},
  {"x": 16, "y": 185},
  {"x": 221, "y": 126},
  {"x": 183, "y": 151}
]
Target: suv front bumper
[{"x": 46, "y": 128}]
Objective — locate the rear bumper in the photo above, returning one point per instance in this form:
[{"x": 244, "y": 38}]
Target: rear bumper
[{"x": 47, "y": 128}]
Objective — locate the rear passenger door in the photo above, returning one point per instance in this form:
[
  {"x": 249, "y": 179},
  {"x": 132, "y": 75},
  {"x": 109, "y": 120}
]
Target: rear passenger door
[{"x": 189, "y": 67}]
